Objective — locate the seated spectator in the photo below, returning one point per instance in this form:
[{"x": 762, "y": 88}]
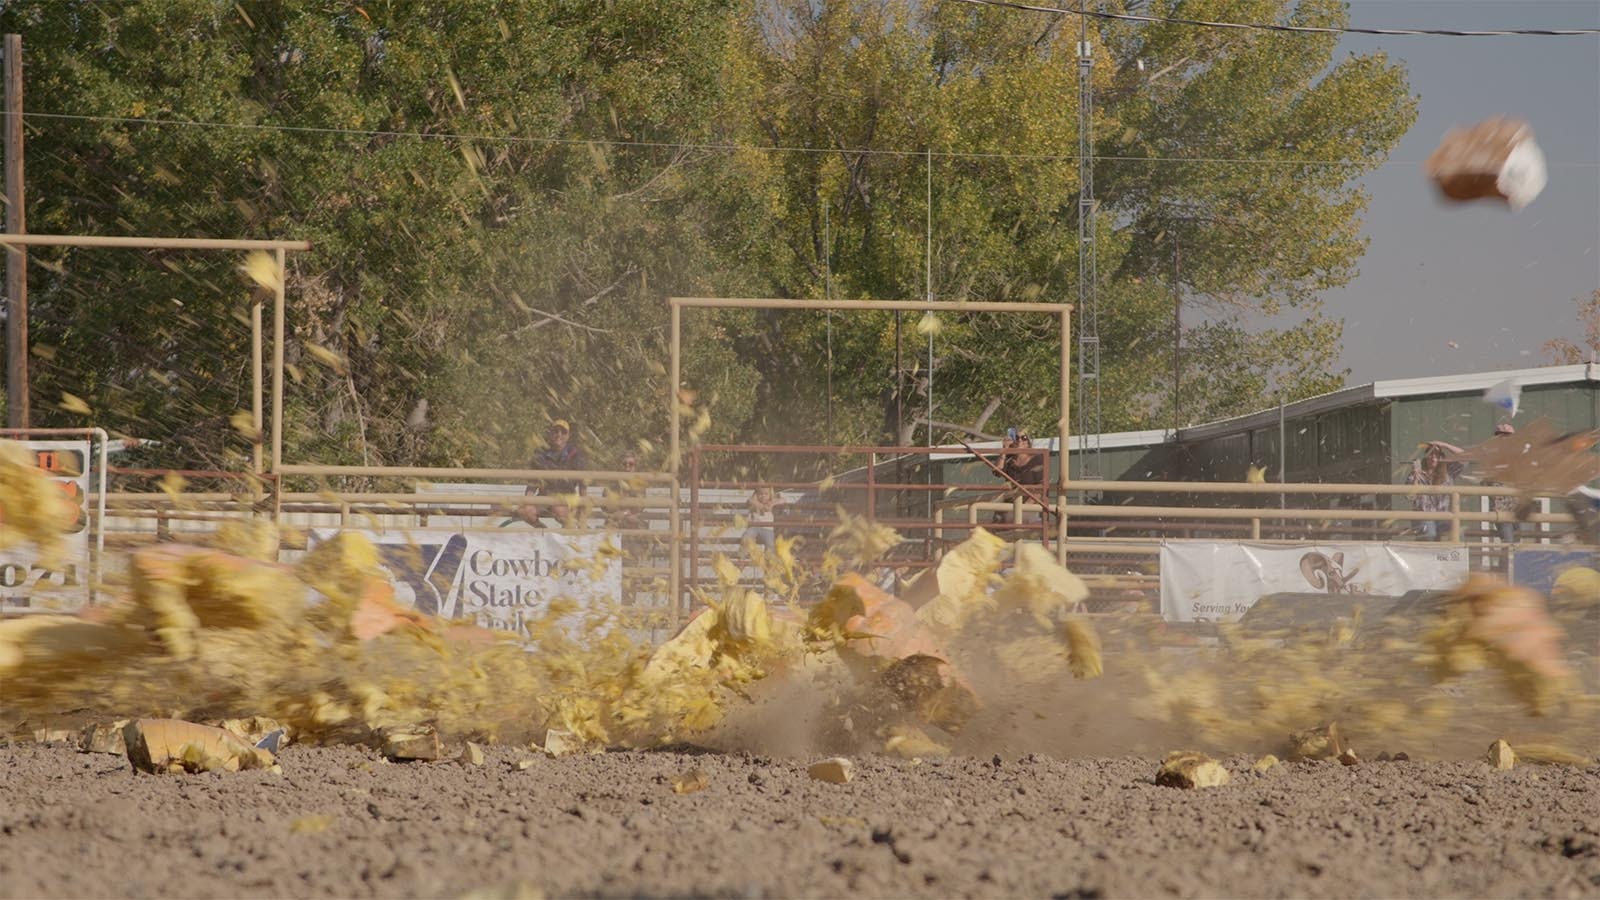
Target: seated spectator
[
  {"x": 561, "y": 453},
  {"x": 629, "y": 517}
]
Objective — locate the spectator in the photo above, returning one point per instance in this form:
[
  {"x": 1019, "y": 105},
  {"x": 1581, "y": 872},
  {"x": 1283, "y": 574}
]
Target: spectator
[
  {"x": 763, "y": 501},
  {"x": 1432, "y": 469},
  {"x": 632, "y": 489},
  {"x": 560, "y": 454},
  {"x": 1026, "y": 468}
]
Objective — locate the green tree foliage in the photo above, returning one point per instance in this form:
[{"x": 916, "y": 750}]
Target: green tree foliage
[
  {"x": 499, "y": 198},
  {"x": 502, "y": 280},
  {"x": 1215, "y": 145},
  {"x": 1562, "y": 351}
]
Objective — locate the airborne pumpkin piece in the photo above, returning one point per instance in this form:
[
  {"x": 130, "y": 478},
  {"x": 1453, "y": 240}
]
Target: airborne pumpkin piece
[
  {"x": 180, "y": 589},
  {"x": 1489, "y": 622},
  {"x": 1494, "y": 159},
  {"x": 34, "y": 510}
]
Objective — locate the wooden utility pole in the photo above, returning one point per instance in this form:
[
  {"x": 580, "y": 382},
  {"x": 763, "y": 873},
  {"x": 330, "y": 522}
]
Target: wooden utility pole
[{"x": 16, "y": 257}]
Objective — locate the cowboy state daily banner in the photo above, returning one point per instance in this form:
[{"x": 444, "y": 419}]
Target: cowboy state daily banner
[
  {"x": 1216, "y": 581},
  {"x": 496, "y": 580}
]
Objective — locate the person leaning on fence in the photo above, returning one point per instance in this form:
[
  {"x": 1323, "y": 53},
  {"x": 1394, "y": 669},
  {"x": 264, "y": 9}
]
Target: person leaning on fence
[
  {"x": 1025, "y": 468},
  {"x": 1432, "y": 469},
  {"x": 561, "y": 453}
]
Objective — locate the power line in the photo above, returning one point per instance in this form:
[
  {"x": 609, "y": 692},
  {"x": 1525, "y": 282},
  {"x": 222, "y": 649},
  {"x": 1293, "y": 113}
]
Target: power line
[
  {"x": 722, "y": 146},
  {"x": 1299, "y": 29}
]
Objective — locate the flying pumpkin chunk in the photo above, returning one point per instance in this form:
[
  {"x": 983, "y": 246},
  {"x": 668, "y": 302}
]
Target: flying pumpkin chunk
[{"x": 1496, "y": 158}]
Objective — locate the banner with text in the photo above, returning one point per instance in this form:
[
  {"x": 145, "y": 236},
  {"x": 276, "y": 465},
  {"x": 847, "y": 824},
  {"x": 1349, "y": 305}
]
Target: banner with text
[
  {"x": 1214, "y": 581},
  {"x": 1541, "y": 568},
  {"x": 25, "y": 582},
  {"x": 496, "y": 580}
]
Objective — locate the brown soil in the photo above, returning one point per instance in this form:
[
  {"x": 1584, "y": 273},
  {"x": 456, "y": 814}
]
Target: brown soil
[{"x": 343, "y": 822}]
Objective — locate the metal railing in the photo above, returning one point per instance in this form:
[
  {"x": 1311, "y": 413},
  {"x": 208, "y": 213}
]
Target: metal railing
[
  {"x": 1113, "y": 544},
  {"x": 871, "y": 486}
]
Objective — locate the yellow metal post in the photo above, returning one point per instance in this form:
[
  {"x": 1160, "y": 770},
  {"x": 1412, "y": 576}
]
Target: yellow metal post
[
  {"x": 256, "y": 359},
  {"x": 277, "y": 364},
  {"x": 675, "y": 541}
]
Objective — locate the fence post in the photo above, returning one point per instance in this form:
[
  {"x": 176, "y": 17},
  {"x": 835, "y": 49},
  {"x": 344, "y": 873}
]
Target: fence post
[
  {"x": 1044, "y": 496},
  {"x": 1486, "y": 505},
  {"x": 1455, "y": 517},
  {"x": 675, "y": 549},
  {"x": 694, "y": 520},
  {"x": 1061, "y": 528},
  {"x": 872, "y": 486}
]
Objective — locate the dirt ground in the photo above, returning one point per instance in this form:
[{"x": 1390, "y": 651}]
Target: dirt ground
[{"x": 344, "y": 822}]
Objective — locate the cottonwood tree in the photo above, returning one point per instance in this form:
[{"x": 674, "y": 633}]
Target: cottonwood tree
[
  {"x": 499, "y": 199},
  {"x": 1564, "y": 351},
  {"x": 472, "y": 248},
  {"x": 1235, "y": 150}
]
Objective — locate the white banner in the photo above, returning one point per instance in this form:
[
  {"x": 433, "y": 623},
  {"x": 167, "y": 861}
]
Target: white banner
[
  {"x": 496, "y": 580},
  {"x": 24, "y": 583},
  {"x": 1210, "y": 581}
]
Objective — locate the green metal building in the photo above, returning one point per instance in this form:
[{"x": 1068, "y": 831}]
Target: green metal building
[{"x": 1366, "y": 434}]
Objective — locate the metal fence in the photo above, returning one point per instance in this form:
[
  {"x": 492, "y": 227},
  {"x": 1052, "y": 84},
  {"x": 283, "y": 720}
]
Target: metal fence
[{"x": 1108, "y": 532}]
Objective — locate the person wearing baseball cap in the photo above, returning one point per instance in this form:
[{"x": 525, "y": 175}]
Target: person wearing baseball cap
[{"x": 560, "y": 452}]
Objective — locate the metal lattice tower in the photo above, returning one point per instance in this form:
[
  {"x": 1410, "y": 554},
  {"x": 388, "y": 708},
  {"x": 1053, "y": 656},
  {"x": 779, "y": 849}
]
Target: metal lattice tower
[{"x": 1088, "y": 312}]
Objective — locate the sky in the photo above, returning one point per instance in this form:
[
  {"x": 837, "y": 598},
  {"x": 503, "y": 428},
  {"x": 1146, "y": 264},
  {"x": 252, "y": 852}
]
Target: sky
[{"x": 1452, "y": 288}]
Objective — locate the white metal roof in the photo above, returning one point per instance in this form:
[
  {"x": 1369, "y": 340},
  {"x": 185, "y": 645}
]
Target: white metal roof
[
  {"x": 1395, "y": 388},
  {"x": 1481, "y": 381},
  {"x": 1119, "y": 439},
  {"x": 1344, "y": 397},
  {"x": 1108, "y": 441}
]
